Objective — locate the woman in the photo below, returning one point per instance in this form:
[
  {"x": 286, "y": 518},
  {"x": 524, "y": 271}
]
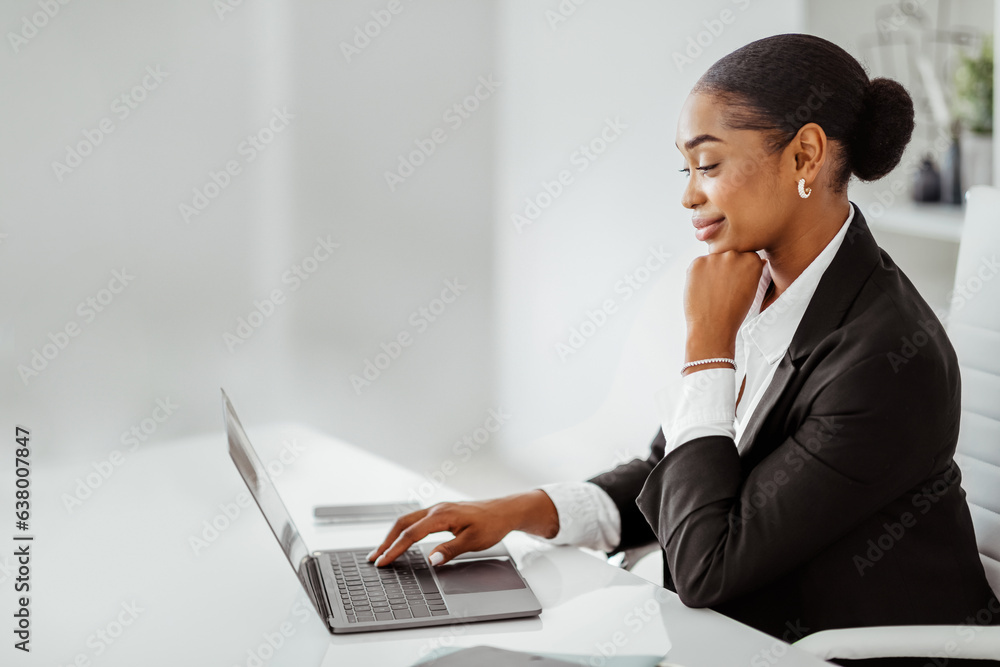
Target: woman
[{"x": 803, "y": 435}]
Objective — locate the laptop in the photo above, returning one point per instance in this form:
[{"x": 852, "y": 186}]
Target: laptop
[{"x": 352, "y": 595}]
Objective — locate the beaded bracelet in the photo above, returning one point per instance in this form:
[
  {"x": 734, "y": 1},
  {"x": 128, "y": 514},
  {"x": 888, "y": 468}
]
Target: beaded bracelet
[{"x": 708, "y": 361}]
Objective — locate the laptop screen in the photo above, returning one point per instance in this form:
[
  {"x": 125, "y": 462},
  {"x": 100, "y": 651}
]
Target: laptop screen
[{"x": 255, "y": 475}]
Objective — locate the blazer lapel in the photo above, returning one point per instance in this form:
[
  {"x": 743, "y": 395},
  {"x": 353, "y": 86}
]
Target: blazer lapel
[
  {"x": 836, "y": 291},
  {"x": 782, "y": 375}
]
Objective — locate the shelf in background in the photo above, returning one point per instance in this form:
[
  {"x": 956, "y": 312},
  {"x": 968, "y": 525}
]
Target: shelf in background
[{"x": 934, "y": 221}]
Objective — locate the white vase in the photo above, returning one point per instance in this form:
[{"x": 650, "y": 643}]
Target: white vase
[{"x": 977, "y": 159}]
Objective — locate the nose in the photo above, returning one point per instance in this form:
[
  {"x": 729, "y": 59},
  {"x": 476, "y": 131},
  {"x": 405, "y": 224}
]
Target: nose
[{"x": 692, "y": 196}]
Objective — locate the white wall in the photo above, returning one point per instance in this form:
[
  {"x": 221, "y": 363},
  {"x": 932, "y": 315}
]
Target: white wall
[
  {"x": 606, "y": 60},
  {"x": 322, "y": 175},
  {"x": 398, "y": 246},
  {"x": 161, "y": 336}
]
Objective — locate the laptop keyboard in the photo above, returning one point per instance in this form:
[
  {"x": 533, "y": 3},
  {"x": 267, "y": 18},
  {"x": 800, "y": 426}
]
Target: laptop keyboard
[{"x": 403, "y": 589}]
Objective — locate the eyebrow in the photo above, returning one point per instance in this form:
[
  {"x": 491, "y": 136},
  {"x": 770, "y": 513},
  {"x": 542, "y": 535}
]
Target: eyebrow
[{"x": 700, "y": 139}]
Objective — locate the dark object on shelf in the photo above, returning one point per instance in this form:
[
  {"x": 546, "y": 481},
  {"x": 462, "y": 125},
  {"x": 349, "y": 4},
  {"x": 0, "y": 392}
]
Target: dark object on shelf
[
  {"x": 951, "y": 173},
  {"x": 927, "y": 184}
]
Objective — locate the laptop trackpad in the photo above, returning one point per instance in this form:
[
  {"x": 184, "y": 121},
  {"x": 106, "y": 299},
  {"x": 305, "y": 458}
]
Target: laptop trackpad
[{"x": 478, "y": 576}]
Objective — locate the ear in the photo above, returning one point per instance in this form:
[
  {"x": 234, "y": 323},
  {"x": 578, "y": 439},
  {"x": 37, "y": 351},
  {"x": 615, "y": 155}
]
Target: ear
[{"x": 810, "y": 149}]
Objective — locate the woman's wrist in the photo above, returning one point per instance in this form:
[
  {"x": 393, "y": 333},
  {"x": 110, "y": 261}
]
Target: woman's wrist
[
  {"x": 531, "y": 512},
  {"x": 702, "y": 346}
]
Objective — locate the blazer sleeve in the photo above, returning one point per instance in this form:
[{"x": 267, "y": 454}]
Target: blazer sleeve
[
  {"x": 870, "y": 434},
  {"x": 623, "y": 485}
]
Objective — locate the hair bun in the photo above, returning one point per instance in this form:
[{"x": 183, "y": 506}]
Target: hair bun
[{"x": 884, "y": 128}]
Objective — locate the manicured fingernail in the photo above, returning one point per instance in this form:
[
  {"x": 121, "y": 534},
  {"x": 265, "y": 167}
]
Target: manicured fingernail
[
  {"x": 436, "y": 558},
  {"x": 371, "y": 553},
  {"x": 378, "y": 562}
]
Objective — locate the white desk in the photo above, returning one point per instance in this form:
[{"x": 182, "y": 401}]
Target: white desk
[{"x": 129, "y": 542}]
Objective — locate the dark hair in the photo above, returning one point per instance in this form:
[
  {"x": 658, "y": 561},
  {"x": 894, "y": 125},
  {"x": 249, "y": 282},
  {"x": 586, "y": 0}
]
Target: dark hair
[{"x": 780, "y": 83}]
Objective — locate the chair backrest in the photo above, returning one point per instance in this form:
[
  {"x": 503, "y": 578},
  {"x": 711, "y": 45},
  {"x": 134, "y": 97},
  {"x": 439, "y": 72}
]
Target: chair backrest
[{"x": 973, "y": 326}]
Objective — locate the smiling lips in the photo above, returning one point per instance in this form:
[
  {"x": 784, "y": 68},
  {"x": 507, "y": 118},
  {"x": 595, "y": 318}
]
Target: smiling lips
[{"x": 706, "y": 227}]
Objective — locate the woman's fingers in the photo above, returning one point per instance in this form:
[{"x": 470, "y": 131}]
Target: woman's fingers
[
  {"x": 401, "y": 524},
  {"x": 475, "y": 525},
  {"x": 414, "y": 532}
]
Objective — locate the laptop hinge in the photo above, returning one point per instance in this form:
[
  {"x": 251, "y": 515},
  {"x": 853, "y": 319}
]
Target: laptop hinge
[{"x": 316, "y": 590}]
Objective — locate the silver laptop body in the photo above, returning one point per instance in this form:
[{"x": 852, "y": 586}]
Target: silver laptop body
[{"x": 352, "y": 595}]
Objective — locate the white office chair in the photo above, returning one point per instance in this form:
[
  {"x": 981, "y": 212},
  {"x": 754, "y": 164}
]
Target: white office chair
[{"x": 973, "y": 326}]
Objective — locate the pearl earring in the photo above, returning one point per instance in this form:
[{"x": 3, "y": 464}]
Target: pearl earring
[{"x": 804, "y": 192}]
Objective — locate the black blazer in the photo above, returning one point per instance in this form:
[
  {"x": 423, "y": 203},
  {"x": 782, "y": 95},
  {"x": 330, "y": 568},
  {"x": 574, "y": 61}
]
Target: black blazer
[{"x": 845, "y": 509}]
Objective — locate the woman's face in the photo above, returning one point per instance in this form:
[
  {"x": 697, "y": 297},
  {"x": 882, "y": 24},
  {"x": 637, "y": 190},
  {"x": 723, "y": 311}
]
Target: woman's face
[{"x": 739, "y": 193}]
